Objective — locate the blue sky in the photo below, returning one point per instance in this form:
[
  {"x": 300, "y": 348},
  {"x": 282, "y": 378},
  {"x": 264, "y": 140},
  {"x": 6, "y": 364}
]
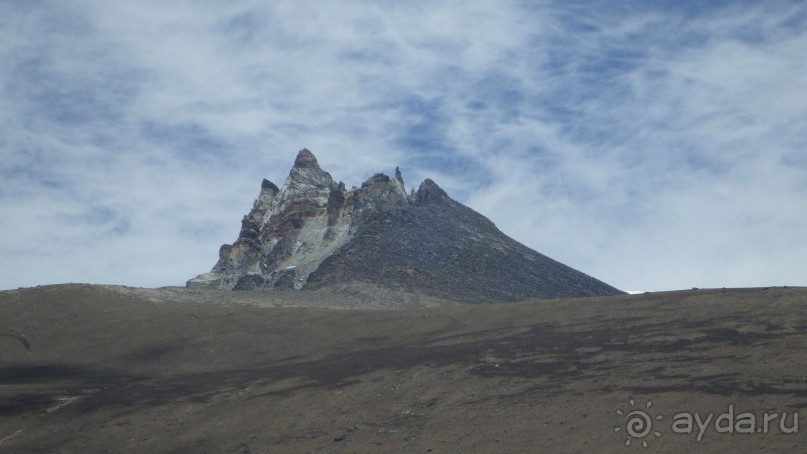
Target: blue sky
[{"x": 654, "y": 145}]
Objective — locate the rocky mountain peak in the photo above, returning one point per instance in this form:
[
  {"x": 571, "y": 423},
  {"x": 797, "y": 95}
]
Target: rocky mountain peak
[
  {"x": 307, "y": 175},
  {"x": 305, "y": 159},
  {"x": 313, "y": 233},
  {"x": 430, "y": 193},
  {"x": 291, "y": 229}
]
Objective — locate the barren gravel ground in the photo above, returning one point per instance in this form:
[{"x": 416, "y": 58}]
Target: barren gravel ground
[
  {"x": 115, "y": 369},
  {"x": 354, "y": 296}
]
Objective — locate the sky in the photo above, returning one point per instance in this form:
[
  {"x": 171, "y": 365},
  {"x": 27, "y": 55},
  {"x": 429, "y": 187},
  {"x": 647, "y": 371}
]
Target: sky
[{"x": 654, "y": 145}]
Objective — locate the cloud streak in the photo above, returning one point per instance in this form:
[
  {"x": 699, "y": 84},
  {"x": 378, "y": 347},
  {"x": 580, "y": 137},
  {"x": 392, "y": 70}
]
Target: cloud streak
[{"x": 653, "y": 145}]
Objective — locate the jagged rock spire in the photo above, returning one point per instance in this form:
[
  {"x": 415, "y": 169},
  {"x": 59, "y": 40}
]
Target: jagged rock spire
[
  {"x": 291, "y": 229},
  {"x": 306, "y": 159},
  {"x": 306, "y": 174},
  {"x": 267, "y": 185}
]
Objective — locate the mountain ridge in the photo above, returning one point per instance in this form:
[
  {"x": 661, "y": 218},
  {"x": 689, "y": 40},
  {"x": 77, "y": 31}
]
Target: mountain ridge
[{"x": 312, "y": 233}]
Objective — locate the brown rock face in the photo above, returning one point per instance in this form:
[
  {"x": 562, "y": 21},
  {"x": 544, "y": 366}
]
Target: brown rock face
[{"x": 312, "y": 233}]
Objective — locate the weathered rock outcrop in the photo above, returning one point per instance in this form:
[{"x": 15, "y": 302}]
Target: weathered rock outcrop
[
  {"x": 290, "y": 230},
  {"x": 313, "y": 233}
]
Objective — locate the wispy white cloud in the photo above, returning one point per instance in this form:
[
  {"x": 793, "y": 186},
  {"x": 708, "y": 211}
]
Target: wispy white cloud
[
  {"x": 678, "y": 160},
  {"x": 653, "y": 145}
]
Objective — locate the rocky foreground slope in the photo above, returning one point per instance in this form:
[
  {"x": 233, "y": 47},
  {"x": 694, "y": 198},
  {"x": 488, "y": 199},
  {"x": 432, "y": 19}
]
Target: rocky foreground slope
[
  {"x": 312, "y": 233},
  {"x": 110, "y": 372}
]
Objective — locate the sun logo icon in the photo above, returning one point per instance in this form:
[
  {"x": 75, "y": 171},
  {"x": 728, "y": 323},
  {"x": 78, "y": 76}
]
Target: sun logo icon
[{"x": 638, "y": 423}]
